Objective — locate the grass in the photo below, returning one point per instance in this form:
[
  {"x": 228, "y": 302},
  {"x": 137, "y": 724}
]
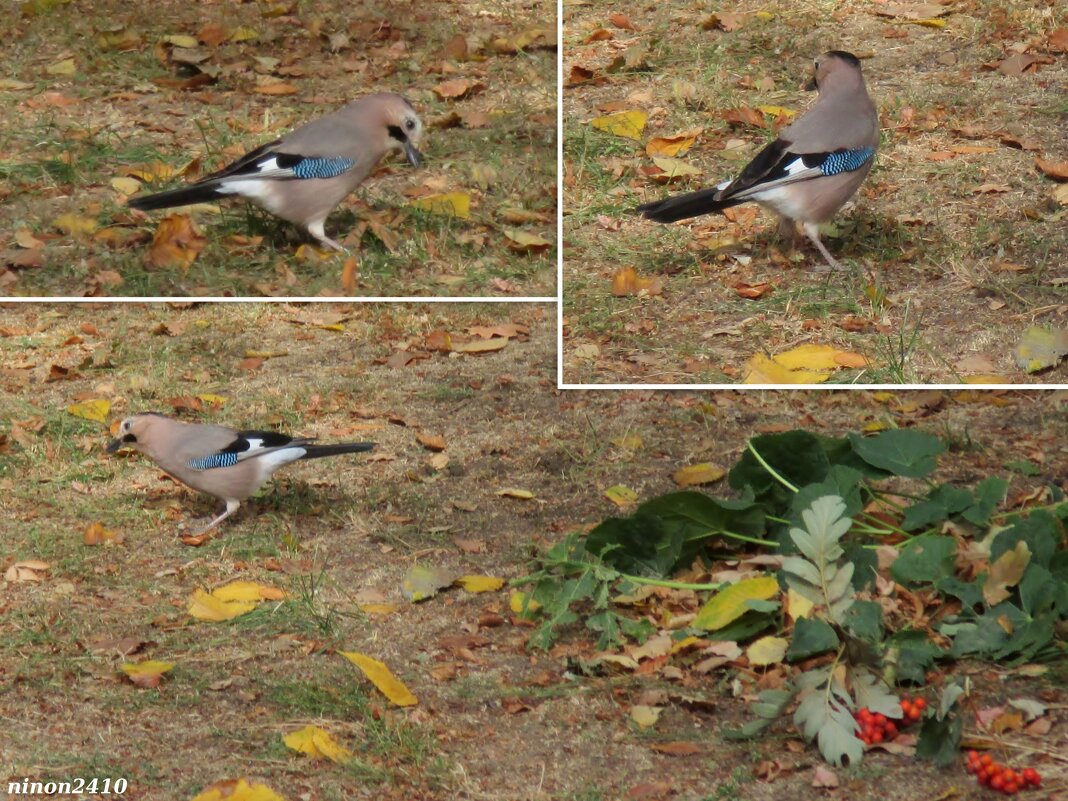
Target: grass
[
  {"x": 70, "y": 144},
  {"x": 920, "y": 235}
]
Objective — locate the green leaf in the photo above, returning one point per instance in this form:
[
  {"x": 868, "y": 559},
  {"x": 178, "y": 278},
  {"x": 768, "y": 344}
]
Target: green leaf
[
  {"x": 797, "y": 456},
  {"x": 989, "y": 494},
  {"x": 811, "y": 636},
  {"x": 843, "y": 481},
  {"x": 865, "y": 620},
  {"x": 909, "y": 654},
  {"x": 729, "y": 604},
  {"x": 1040, "y": 531},
  {"x": 941, "y": 503},
  {"x": 641, "y": 544},
  {"x": 1025, "y": 467},
  {"x": 925, "y": 560},
  {"x": 747, "y": 626},
  {"x": 939, "y": 740},
  {"x": 902, "y": 452}
]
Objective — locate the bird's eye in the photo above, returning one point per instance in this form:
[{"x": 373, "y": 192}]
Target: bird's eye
[{"x": 409, "y": 124}]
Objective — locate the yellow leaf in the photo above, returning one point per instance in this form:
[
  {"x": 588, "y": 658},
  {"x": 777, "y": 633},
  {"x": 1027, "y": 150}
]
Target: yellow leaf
[
  {"x": 275, "y": 88},
  {"x": 621, "y": 496},
  {"x": 525, "y": 242},
  {"x": 630, "y": 442},
  {"x": 628, "y": 124},
  {"x": 248, "y": 591},
  {"x": 380, "y": 675},
  {"x": 767, "y": 651},
  {"x": 96, "y": 410},
  {"x": 176, "y": 243},
  {"x": 451, "y": 204},
  {"x": 179, "y": 40},
  {"x": 213, "y": 400},
  {"x": 777, "y": 111},
  {"x": 96, "y": 534},
  {"x": 819, "y": 357},
  {"x": 423, "y": 582},
  {"x": 74, "y": 225},
  {"x": 644, "y": 715},
  {"x": 146, "y": 668},
  {"x": 151, "y": 171},
  {"x": 797, "y": 605},
  {"x": 1006, "y": 571},
  {"x": 61, "y": 68},
  {"x": 128, "y": 186},
  {"x": 987, "y": 378},
  {"x": 239, "y": 790},
  {"x": 316, "y": 743},
  {"x": 518, "y": 600},
  {"x": 696, "y": 474},
  {"x": 673, "y": 168},
  {"x": 762, "y": 370},
  {"x": 626, "y": 281},
  {"x": 206, "y": 607},
  {"x": 521, "y": 494},
  {"x": 379, "y": 609},
  {"x": 927, "y": 23},
  {"x": 672, "y": 146},
  {"x": 1040, "y": 348},
  {"x": 244, "y": 34},
  {"x": 480, "y": 583},
  {"x": 685, "y": 643},
  {"x": 731, "y": 603}
]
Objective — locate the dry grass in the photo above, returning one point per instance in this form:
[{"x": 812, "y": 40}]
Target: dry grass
[
  {"x": 75, "y": 133},
  {"x": 328, "y": 530},
  {"x": 931, "y": 277}
]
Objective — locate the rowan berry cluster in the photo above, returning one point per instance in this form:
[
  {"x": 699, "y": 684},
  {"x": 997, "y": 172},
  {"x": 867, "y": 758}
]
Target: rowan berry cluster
[
  {"x": 875, "y": 727},
  {"x": 998, "y": 777}
]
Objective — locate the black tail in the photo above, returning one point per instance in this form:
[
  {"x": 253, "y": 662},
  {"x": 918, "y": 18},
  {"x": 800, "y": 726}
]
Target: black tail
[
  {"x": 683, "y": 207},
  {"x": 197, "y": 193},
  {"x": 318, "y": 451}
]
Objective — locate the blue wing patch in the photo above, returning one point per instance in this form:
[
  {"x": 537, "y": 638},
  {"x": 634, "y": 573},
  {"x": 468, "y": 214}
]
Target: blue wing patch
[
  {"x": 846, "y": 160},
  {"x": 320, "y": 167},
  {"x": 213, "y": 460}
]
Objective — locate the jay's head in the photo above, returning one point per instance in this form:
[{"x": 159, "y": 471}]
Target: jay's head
[
  {"x": 132, "y": 432},
  {"x": 832, "y": 67},
  {"x": 403, "y": 127}
]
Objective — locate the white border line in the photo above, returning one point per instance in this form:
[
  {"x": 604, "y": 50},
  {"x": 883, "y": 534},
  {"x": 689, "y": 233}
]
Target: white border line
[
  {"x": 270, "y": 299},
  {"x": 826, "y": 387}
]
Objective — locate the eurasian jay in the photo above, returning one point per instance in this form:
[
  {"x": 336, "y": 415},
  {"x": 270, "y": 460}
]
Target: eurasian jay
[
  {"x": 305, "y": 174},
  {"x": 229, "y": 464},
  {"x": 812, "y": 168}
]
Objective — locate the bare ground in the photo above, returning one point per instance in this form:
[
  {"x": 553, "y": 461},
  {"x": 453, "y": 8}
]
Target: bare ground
[
  {"x": 494, "y": 721},
  {"x": 955, "y": 244}
]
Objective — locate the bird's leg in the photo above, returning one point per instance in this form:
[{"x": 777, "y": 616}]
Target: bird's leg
[
  {"x": 317, "y": 229},
  {"x": 788, "y": 232},
  {"x": 813, "y": 232},
  {"x": 231, "y": 507}
]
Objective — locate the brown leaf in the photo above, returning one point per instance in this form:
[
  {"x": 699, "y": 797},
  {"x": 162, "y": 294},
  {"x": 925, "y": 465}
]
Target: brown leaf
[
  {"x": 1019, "y": 63},
  {"x": 456, "y": 48},
  {"x": 1057, "y": 170},
  {"x": 348, "y": 275},
  {"x": 744, "y": 116},
  {"x": 752, "y": 291},
  {"x": 823, "y": 776},
  {"x": 176, "y": 243},
  {"x": 621, "y": 21},
  {"x": 680, "y": 748},
  {"x": 481, "y": 346},
  {"x": 599, "y": 35},
  {"x": 432, "y": 442},
  {"x": 579, "y": 74},
  {"x": 1058, "y": 40},
  {"x": 628, "y": 282},
  {"x": 275, "y": 88},
  {"x": 457, "y": 88},
  {"x": 438, "y": 340},
  {"x": 212, "y": 34}
]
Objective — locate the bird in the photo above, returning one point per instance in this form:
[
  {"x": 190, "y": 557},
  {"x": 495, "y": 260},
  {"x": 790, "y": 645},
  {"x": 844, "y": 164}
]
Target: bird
[
  {"x": 302, "y": 176},
  {"x": 228, "y": 464},
  {"x": 811, "y": 169}
]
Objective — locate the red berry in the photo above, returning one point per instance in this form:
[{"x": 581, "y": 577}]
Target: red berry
[
  {"x": 920, "y": 703},
  {"x": 1011, "y": 788},
  {"x": 986, "y": 759},
  {"x": 1030, "y": 776},
  {"x": 877, "y": 737},
  {"x": 1010, "y": 775},
  {"x": 997, "y": 783},
  {"x": 890, "y": 730},
  {"x": 880, "y": 719},
  {"x": 914, "y": 714}
]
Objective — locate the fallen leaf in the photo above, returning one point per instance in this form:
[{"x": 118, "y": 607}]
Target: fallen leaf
[
  {"x": 731, "y": 602},
  {"x": 203, "y": 606},
  {"x": 524, "y": 242},
  {"x": 1057, "y": 170},
  {"x": 95, "y": 410},
  {"x": 451, "y": 204},
  {"x": 627, "y": 282},
  {"x": 1040, "y": 348},
  {"x": 380, "y": 675},
  {"x": 521, "y": 494},
  {"x": 239, "y": 790},
  {"x": 476, "y": 584},
  {"x": 767, "y": 651},
  {"x": 680, "y": 748},
  {"x": 762, "y": 370},
  {"x": 75, "y": 225},
  {"x": 248, "y": 591},
  {"x": 96, "y": 534},
  {"x": 621, "y": 496},
  {"x": 1005, "y": 572},
  {"x": 644, "y": 715},
  {"x": 275, "y": 88},
  {"x": 819, "y": 357},
  {"x": 422, "y": 582},
  {"x": 674, "y": 168},
  {"x": 176, "y": 243},
  {"x": 62, "y": 68},
  {"x": 481, "y": 345},
  {"x": 27, "y": 570},
  {"x": 752, "y": 291},
  {"x": 674, "y": 145},
  {"x": 696, "y": 474},
  {"x": 147, "y": 674},
  {"x": 824, "y": 777},
  {"x": 457, "y": 88},
  {"x": 627, "y": 124},
  {"x": 316, "y": 743}
]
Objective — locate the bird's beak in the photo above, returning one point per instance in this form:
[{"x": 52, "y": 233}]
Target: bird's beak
[
  {"x": 414, "y": 156},
  {"x": 114, "y": 445}
]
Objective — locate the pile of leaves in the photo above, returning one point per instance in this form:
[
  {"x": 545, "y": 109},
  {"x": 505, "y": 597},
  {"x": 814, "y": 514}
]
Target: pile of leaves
[{"x": 867, "y": 574}]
